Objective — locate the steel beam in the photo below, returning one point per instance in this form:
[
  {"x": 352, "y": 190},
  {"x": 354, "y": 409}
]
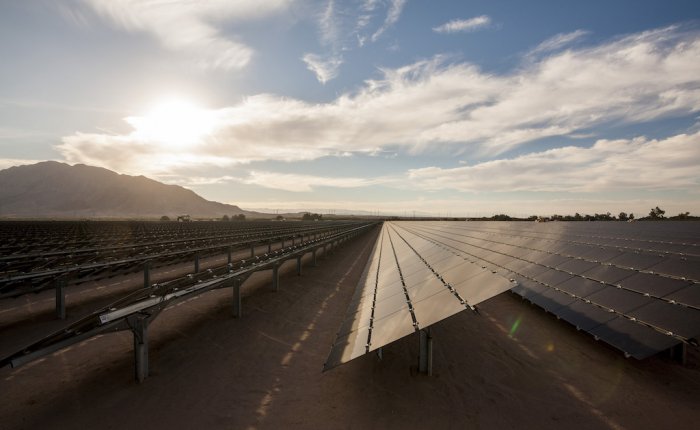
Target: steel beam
[
  {"x": 146, "y": 274},
  {"x": 275, "y": 277},
  {"x": 237, "y": 304},
  {"x": 299, "y": 265},
  {"x": 61, "y": 297},
  {"x": 140, "y": 330},
  {"x": 425, "y": 352}
]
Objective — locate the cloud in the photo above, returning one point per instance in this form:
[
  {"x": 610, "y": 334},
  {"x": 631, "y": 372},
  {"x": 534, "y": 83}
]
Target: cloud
[
  {"x": 325, "y": 69},
  {"x": 464, "y": 25},
  {"x": 392, "y": 17},
  {"x": 608, "y": 165},
  {"x": 434, "y": 105},
  {"x": 300, "y": 183},
  {"x": 190, "y": 26},
  {"x": 558, "y": 41}
]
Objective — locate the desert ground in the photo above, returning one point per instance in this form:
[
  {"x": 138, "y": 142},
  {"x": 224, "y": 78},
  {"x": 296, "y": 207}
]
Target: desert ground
[{"x": 511, "y": 366}]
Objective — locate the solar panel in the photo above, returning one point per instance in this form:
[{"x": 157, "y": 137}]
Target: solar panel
[
  {"x": 433, "y": 284},
  {"x": 634, "y": 286}
]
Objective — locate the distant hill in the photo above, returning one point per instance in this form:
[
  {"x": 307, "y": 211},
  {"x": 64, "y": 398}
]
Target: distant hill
[{"x": 56, "y": 190}]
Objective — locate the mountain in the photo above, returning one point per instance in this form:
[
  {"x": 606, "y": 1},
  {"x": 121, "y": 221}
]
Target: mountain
[{"x": 56, "y": 190}]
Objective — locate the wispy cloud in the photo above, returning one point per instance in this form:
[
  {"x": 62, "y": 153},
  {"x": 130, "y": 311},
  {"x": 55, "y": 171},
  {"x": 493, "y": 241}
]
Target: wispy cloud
[
  {"x": 558, "y": 41},
  {"x": 327, "y": 64},
  {"x": 433, "y": 105},
  {"x": 189, "y": 26},
  {"x": 325, "y": 68},
  {"x": 392, "y": 17},
  {"x": 464, "y": 25},
  {"x": 608, "y": 165},
  {"x": 301, "y": 183}
]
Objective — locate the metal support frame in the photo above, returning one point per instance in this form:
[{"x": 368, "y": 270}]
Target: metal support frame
[
  {"x": 679, "y": 353},
  {"x": 252, "y": 251},
  {"x": 139, "y": 327},
  {"x": 275, "y": 277},
  {"x": 196, "y": 262},
  {"x": 282, "y": 242},
  {"x": 269, "y": 247},
  {"x": 146, "y": 274},
  {"x": 237, "y": 304},
  {"x": 425, "y": 352},
  {"x": 228, "y": 250},
  {"x": 299, "y": 265},
  {"x": 141, "y": 309},
  {"x": 61, "y": 297}
]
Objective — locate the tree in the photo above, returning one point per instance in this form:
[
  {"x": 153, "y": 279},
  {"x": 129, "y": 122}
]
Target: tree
[
  {"x": 622, "y": 216},
  {"x": 279, "y": 218},
  {"x": 165, "y": 218},
  {"x": 308, "y": 216},
  {"x": 225, "y": 218},
  {"x": 657, "y": 213},
  {"x": 239, "y": 217}
]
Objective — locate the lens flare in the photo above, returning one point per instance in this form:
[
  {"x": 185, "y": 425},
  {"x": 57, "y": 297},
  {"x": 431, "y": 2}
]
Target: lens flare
[{"x": 514, "y": 327}]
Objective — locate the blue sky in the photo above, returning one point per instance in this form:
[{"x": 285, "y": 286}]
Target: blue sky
[{"x": 441, "y": 107}]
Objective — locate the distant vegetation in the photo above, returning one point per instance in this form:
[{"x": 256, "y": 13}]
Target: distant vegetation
[
  {"x": 239, "y": 217},
  {"x": 656, "y": 214},
  {"x": 308, "y": 216}
]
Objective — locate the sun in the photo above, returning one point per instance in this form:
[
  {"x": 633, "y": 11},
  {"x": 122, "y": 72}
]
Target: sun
[{"x": 174, "y": 122}]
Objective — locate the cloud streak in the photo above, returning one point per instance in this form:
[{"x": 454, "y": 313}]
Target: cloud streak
[
  {"x": 464, "y": 25},
  {"x": 187, "y": 26},
  {"x": 558, "y": 41},
  {"x": 305, "y": 183},
  {"x": 608, "y": 165},
  {"x": 392, "y": 17}
]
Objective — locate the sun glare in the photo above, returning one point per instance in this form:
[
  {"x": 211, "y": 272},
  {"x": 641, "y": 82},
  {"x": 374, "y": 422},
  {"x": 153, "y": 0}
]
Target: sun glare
[{"x": 175, "y": 122}]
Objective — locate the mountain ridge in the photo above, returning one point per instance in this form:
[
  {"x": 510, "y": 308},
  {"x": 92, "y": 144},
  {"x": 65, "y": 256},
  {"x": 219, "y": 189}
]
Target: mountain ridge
[{"x": 51, "y": 189}]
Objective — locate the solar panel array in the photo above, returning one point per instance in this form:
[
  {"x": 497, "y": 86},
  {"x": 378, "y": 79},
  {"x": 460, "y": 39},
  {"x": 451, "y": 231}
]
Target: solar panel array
[
  {"x": 635, "y": 286},
  {"x": 409, "y": 283}
]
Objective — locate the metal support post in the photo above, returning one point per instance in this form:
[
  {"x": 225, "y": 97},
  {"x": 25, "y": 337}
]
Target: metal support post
[
  {"x": 252, "y": 251},
  {"x": 282, "y": 242},
  {"x": 275, "y": 277},
  {"x": 61, "y": 297},
  {"x": 228, "y": 250},
  {"x": 146, "y": 274},
  {"x": 140, "y": 330},
  {"x": 269, "y": 247},
  {"x": 196, "y": 262},
  {"x": 679, "y": 353},
  {"x": 237, "y": 304},
  {"x": 425, "y": 353},
  {"x": 299, "y": 265}
]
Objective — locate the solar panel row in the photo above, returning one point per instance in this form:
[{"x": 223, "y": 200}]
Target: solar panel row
[
  {"x": 408, "y": 285},
  {"x": 641, "y": 301}
]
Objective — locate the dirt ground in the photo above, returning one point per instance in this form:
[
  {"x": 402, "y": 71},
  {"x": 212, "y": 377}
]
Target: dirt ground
[{"x": 512, "y": 366}]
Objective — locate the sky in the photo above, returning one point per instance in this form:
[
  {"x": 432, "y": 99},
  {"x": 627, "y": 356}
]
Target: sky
[{"x": 449, "y": 108}]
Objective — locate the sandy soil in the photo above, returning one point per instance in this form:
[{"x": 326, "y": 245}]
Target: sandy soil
[{"x": 209, "y": 370}]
